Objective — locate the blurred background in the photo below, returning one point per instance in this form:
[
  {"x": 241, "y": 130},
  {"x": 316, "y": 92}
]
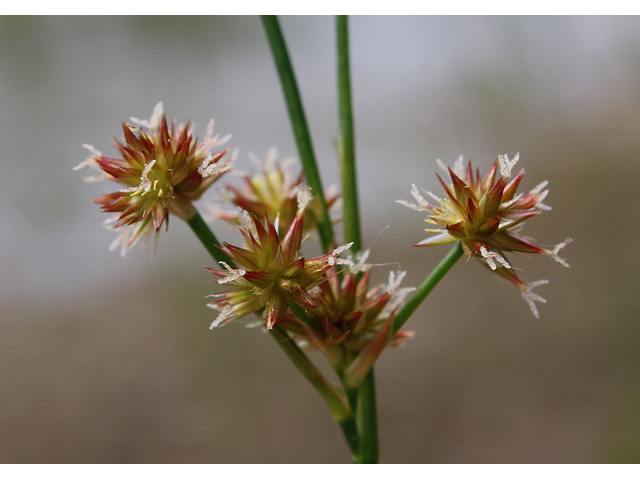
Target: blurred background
[{"x": 110, "y": 359}]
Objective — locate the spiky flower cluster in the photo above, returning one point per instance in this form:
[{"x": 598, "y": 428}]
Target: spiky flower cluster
[
  {"x": 162, "y": 169},
  {"x": 271, "y": 194},
  {"x": 270, "y": 274},
  {"x": 352, "y": 323},
  {"x": 486, "y": 215}
]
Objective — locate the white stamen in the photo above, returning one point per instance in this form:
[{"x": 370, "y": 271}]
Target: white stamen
[
  {"x": 422, "y": 206},
  {"x": 233, "y": 274},
  {"x": 540, "y": 186},
  {"x": 154, "y": 121},
  {"x": 360, "y": 264},
  {"x": 333, "y": 256},
  {"x": 209, "y": 140},
  {"x": 492, "y": 258},
  {"x": 458, "y": 166},
  {"x": 393, "y": 288},
  {"x": 434, "y": 197},
  {"x": 94, "y": 151},
  {"x": 441, "y": 164},
  {"x": 529, "y": 296},
  {"x": 394, "y": 281},
  {"x": 506, "y": 165},
  {"x": 556, "y": 249},
  {"x": 91, "y": 162},
  {"x": 209, "y": 167},
  {"x": 341, "y": 249},
  {"x": 541, "y": 195},
  {"x": 145, "y": 183},
  {"x": 225, "y": 312},
  {"x": 304, "y": 197},
  {"x": 128, "y": 235}
]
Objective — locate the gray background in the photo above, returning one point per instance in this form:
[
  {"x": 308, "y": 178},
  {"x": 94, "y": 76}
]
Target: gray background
[{"x": 109, "y": 359}]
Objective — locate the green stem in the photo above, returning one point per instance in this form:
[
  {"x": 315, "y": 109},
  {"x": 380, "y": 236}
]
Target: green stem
[
  {"x": 367, "y": 421},
  {"x": 347, "y": 146},
  {"x": 334, "y": 397},
  {"x": 208, "y": 239},
  {"x": 365, "y": 397},
  {"x": 423, "y": 290},
  {"x": 299, "y": 125}
]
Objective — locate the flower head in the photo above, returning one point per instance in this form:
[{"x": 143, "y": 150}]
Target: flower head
[
  {"x": 270, "y": 274},
  {"x": 486, "y": 214},
  {"x": 271, "y": 194},
  {"x": 352, "y": 322},
  {"x": 162, "y": 169}
]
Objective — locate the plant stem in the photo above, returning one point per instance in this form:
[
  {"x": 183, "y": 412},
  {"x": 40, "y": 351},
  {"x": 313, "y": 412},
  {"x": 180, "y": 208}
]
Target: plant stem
[
  {"x": 334, "y": 397},
  {"x": 299, "y": 124},
  {"x": 423, "y": 290},
  {"x": 347, "y": 146},
  {"x": 366, "y": 415},
  {"x": 208, "y": 239},
  {"x": 367, "y": 421}
]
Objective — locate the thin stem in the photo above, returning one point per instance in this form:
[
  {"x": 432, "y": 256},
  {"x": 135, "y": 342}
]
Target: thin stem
[
  {"x": 367, "y": 421},
  {"x": 347, "y": 146},
  {"x": 423, "y": 290},
  {"x": 334, "y": 397},
  {"x": 299, "y": 125},
  {"x": 208, "y": 239},
  {"x": 365, "y": 396}
]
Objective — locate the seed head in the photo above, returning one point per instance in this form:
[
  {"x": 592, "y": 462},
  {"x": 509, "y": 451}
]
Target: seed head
[
  {"x": 273, "y": 194},
  {"x": 486, "y": 215},
  {"x": 270, "y": 274},
  {"x": 162, "y": 169},
  {"x": 351, "y": 323}
]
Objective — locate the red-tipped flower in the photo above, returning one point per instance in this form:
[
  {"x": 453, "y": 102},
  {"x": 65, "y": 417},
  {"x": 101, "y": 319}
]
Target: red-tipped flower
[
  {"x": 272, "y": 194},
  {"x": 162, "y": 169},
  {"x": 270, "y": 273},
  {"x": 352, "y": 323},
  {"x": 486, "y": 215}
]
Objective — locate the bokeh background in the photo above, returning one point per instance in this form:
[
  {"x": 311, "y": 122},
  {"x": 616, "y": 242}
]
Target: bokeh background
[{"x": 110, "y": 359}]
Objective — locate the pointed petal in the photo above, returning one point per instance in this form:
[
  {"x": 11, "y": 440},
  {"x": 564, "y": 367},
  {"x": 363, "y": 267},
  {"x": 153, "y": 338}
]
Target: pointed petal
[
  {"x": 276, "y": 307},
  {"x": 457, "y": 230},
  {"x": 494, "y": 198},
  {"x": 359, "y": 368},
  {"x": 510, "y": 190},
  {"x": 293, "y": 238},
  {"x": 260, "y": 278},
  {"x": 439, "y": 239}
]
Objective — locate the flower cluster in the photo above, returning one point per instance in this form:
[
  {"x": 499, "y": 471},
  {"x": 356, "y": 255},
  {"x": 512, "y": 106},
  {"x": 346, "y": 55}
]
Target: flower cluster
[
  {"x": 272, "y": 194},
  {"x": 271, "y": 275},
  {"x": 162, "y": 169},
  {"x": 352, "y": 323},
  {"x": 486, "y": 215}
]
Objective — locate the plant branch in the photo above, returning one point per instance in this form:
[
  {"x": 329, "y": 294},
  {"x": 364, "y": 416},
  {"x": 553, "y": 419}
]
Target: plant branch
[
  {"x": 367, "y": 421},
  {"x": 334, "y": 397},
  {"x": 299, "y": 125},
  {"x": 346, "y": 149},
  {"x": 208, "y": 239},
  {"x": 430, "y": 282}
]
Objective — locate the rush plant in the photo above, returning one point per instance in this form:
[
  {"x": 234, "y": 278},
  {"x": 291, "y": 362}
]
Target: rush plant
[{"x": 328, "y": 302}]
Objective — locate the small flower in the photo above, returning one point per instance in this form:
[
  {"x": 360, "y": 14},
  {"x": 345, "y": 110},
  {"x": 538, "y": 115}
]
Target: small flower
[
  {"x": 162, "y": 169},
  {"x": 352, "y": 322},
  {"x": 271, "y": 273},
  {"x": 486, "y": 215},
  {"x": 272, "y": 194}
]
